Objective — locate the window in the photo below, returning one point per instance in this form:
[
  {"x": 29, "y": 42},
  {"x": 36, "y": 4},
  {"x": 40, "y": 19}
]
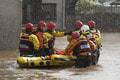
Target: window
[
  {"x": 49, "y": 11},
  {"x": 31, "y": 11},
  {"x": 35, "y": 10}
]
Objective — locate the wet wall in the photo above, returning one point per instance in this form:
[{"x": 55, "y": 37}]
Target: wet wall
[{"x": 10, "y": 23}]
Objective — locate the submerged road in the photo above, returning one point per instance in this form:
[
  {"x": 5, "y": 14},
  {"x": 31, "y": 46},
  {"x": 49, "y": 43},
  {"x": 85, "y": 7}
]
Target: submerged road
[{"x": 108, "y": 67}]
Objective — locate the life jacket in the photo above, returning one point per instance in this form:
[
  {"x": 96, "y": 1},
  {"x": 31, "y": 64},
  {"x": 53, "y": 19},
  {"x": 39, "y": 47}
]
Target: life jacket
[
  {"x": 40, "y": 38},
  {"x": 78, "y": 46},
  {"x": 94, "y": 31},
  {"x": 51, "y": 42},
  {"x": 50, "y": 39},
  {"x": 91, "y": 37},
  {"x": 69, "y": 37},
  {"x": 93, "y": 46},
  {"x": 25, "y": 45},
  {"x": 70, "y": 47},
  {"x": 93, "y": 40},
  {"x": 83, "y": 46},
  {"x": 97, "y": 35},
  {"x": 39, "y": 35}
]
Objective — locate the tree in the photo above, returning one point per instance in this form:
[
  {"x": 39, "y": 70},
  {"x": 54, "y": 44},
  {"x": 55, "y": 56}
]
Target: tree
[{"x": 86, "y": 7}]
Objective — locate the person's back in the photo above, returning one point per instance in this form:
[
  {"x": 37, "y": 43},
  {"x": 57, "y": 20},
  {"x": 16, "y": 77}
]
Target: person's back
[
  {"x": 25, "y": 46},
  {"x": 49, "y": 42},
  {"x": 77, "y": 45},
  {"x": 50, "y": 35},
  {"x": 29, "y": 44},
  {"x": 89, "y": 37},
  {"x": 96, "y": 33},
  {"x": 49, "y": 38},
  {"x": 39, "y": 32}
]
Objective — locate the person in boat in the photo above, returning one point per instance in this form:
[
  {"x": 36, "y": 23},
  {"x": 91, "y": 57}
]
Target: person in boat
[
  {"x": 81, "y": 48},
  {"x": 78, "y": 25},
  {"x": 39, "y": 33},
  {"x": 50, "y": 35},
  {"x": 92, "y": 26},
  {"x": 79, "y": 45},
  {"x": 86, "y": 31},
  {"x": 95, "y": 32},
  {"x": 88, "y": 35},
  {"x": 29, "y": 43}
]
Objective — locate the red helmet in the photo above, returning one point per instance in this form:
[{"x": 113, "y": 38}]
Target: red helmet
[
  {"x": 29, "y": 26},
  {"x": 41, "y": 24},
  {"x": 78, "y": 24},
  {"x": 91, "y": 24},
  {"x": 75, "y": 35},
  {"x": 51, "y": 25}
]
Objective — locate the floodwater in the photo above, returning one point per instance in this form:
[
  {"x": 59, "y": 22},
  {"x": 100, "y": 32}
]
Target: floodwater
[{"x": 108, "y": 67}]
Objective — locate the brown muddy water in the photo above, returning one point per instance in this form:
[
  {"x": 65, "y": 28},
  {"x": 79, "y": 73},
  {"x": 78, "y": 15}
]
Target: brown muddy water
[{"x": 108, "y": 67}]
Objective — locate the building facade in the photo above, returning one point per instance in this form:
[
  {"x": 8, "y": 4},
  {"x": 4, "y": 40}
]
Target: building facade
[
  {"x": 14, "y": 13},
  {"x": 59, "y": 11},
  {"x": 46, "y": 10}
]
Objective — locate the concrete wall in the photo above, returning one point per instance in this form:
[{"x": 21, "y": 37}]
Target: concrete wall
[
  {"x": 60, "y": 11},
  {"x": 10, "y": 23}
]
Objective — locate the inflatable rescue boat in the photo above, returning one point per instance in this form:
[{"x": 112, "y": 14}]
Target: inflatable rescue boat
[{"x": 55, "y": 60}]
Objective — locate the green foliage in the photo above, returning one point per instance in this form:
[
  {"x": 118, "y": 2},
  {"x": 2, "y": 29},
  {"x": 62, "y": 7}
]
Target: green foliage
[{"x": 86, "y": 7}]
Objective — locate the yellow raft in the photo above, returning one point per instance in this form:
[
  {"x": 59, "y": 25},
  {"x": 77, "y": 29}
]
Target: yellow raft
[{"x": 56, "y": 60}]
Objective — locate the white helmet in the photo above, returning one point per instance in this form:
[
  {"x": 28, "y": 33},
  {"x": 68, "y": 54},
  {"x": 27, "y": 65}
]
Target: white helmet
[{"x": 85, "y": 28}]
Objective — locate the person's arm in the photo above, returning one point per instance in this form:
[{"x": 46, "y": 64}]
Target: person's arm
[
  {"x": 47, "y": 37},
  {"x": 35, "y": 41},
  {"x": 71, "y": 46},
  {"x": 98, "y": 33},
  {"x": 69, "y": 38},
  {"x": 20, "y": 36},
  {"x": 92, "y": 45},
  {"x": 58, "y": 34}
]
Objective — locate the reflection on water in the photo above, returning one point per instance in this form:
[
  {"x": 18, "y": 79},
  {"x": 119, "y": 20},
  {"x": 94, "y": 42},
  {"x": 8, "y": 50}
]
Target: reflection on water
[{"x": 107, "y": 69}]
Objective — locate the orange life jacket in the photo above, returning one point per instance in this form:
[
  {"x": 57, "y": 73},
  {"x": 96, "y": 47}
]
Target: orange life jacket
[
  {"x": 40, "y": 38},
  {"x": 78, "y": 46},
  {"x": 92, "y": 45}
]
